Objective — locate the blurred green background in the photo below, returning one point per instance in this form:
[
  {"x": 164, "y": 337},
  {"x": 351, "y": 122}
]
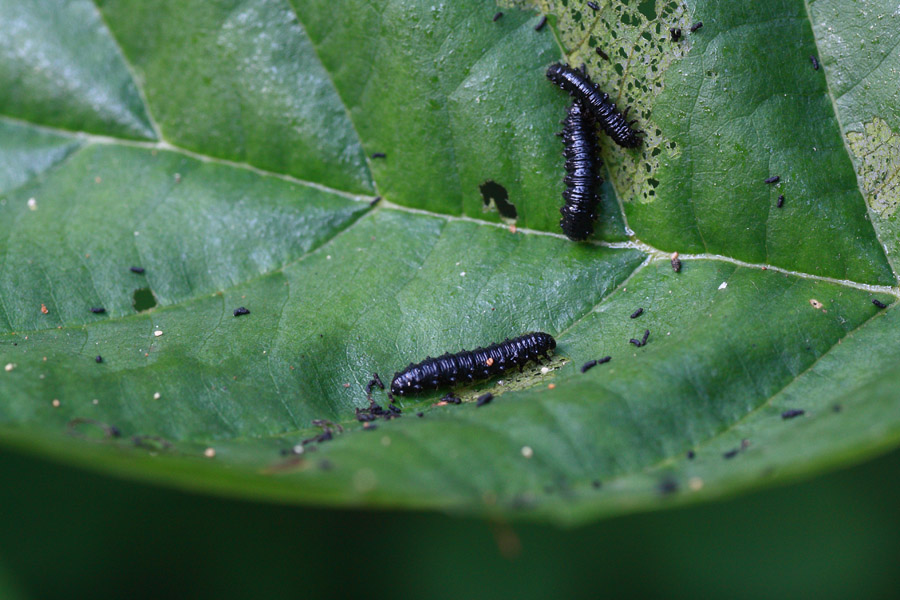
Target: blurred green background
[{"x": 68, "y": 533}]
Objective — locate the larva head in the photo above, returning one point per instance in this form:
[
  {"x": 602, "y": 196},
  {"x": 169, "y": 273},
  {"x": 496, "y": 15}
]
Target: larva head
[
  {"x": 405, "y": 382},
  {"x": 546, "y": 340}
]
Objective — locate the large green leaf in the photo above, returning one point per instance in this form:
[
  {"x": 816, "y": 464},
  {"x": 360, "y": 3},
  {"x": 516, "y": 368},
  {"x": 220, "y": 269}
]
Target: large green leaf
[{"x": 226, "y": 148}]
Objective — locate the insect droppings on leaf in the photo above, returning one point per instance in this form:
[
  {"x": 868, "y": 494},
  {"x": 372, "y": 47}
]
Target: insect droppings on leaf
[
  {"x": 642, "y": 341},
  {"x": 794, "y": 412},
  {"x": 451, "y": 399},
  {"x": 541, "y": 23},
  {"x": 497, "y": 16},
  {"x": 773, "y": 179},
  {"x": 676, "y": 262},
  {"x": 637, "y": 313},
  {"x": 878, "y": 303},
  {"x": 138, "y": 270},
  {"x": 814, "y": 61},
  {"x": 484, "y": 399},
  {"x": 696, "y": 26},
  {"x": 675, "y": 32},
  {"x": 667, "y": 486},
  {"x": 98, "y": 310},
  {"x": 240, "y": 310},
  {"x": 780, "y": 201}
]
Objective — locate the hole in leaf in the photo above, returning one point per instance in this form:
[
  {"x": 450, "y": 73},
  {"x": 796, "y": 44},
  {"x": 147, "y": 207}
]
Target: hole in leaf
[
  {"x": 494, "y": 195},
  {"x": 144, "y": 299}
]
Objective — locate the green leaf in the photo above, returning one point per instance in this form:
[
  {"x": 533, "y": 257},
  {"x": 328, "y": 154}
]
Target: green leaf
[{"x": 227, "y": 149}]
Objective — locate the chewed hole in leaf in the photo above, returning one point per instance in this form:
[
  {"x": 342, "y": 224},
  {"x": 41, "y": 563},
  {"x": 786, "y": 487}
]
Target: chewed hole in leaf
[
  {"x": 143, "y": 299},
  {"x": 495, "y": 197}
]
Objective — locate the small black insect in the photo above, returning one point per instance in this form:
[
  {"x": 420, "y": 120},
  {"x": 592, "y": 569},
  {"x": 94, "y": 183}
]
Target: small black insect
[
  {"x": 98, "y": 310},
  {"x": 484, "y": 399},
  {"x": 580, "y": 86},
  {"x": 593, "y": 5},
  {"x": 138, "y": 270},
  {"x": 469, "y": 365},
  {"x": 604, "y": 360},
  {"x": 541, "y": 23},
  {"x": 696, "y": 26},
  {"x": 596, "y": 484},
  {"x": 602, "y": 54},
  {"x": 731, "y": 453},
  {"x": 780, "y": 201},
  {"x": 99, "y": 359},
  {"x": 814, "y": 61},
  {"x": 773, "y": 179},
  {"x": 691, "y": 454},
  {"x": 637, "y": 313},
  {"x": 497, "y": 16},
  {"x": 878, "y": 303},
  {"x": 375, "y": 201},
  {"x": 420, "y": 414},
  {"x": 675, "y": 32},
  {"x": 240, "y": 310},
  {"x": 588, "y": 365},
  {"x": 582, "y": 163},
  {"x": 794, "y": 412},
  {"x": 382, "y": 154}
]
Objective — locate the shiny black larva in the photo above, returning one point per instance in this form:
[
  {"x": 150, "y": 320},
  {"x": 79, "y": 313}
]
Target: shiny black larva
[
  {"x": 582, "y": 166},
  {"x": 580, "y": 86},
  {"x": 472, "y": 365}
]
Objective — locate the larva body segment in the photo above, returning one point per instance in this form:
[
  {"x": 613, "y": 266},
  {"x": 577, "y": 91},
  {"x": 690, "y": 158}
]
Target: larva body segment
[
  {"x": 582, "y": 166},
  {"x": 472, "y": 365},
  {"x": 580, "y": 86}
]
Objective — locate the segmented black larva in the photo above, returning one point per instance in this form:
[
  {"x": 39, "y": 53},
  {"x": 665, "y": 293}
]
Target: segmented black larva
[
  {"x": 466, "y": 366},
  {"x": 580, "y": 86},
  {"x": 582, "y": 165}
]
